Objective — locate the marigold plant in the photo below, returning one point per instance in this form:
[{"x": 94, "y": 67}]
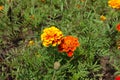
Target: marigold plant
[
  {"x": 68, "y": 45},
  {"x": 114, "y": 4},
  {"x": 51, "y": 36}
]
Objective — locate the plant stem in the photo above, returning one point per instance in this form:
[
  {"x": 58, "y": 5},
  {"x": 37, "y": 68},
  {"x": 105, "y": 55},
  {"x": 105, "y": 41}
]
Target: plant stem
[{"x": 53, "y": 77}]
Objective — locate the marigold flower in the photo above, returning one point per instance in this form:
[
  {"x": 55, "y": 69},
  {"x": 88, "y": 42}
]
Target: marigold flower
[
  {"x": 1, "y": 8},
  {"x": 117, "y": 77},
  {"x": 51, "y": 36},
  {"x": 68, "y": 45},
  {"x": 31, "y": 42},
  {"x": 114, "y": 4},
  {"x": 118, "y": 27},
  {"x": 103, "y": 18}
]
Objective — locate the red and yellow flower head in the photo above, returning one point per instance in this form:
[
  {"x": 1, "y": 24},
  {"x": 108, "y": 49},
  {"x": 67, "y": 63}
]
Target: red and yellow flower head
[
  {"x": 68, "y": 45},
  {"x": 51, "y": 36},
  {"x": 114, "y": 4}
]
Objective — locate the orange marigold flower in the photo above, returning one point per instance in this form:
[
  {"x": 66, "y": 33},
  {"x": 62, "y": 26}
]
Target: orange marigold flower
[
  {"x": 1, "y": 8},
  {"x": 103, "y": 18},
  {"x": 51, "y": 36},
  {"x": 114, "y": 4},
  {"x": 117, "y": 77},
  {"x": 68, "y": 45},
  {"x": 118, "y": 27}
]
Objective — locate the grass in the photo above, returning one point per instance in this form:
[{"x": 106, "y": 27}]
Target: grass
[{"x": 97, "y": 57}]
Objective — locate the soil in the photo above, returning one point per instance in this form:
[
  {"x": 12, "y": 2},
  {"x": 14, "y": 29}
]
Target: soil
[{"x": 107, "y": 69}]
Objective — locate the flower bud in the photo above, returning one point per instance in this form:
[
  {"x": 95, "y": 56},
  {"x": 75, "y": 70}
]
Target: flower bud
[{"x": 56, "y": 65}]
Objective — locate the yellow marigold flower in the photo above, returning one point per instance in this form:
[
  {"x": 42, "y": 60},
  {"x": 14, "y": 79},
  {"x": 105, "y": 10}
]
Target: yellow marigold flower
[
  {"x": 31, "y": 42},
  {"x": 51, "y": 36},
  {"x": 1, "y": 8},
  {"x": 103, "y": 18},
  {"x": 68, "y": 45},
  {"x": 114, "y": 4}
]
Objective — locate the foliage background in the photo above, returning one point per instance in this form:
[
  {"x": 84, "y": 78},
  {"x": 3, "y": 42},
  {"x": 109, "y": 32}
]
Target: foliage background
[{"x": 22, "y": 20}]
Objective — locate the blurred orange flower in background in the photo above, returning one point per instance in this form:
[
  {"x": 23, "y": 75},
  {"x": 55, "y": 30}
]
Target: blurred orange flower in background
[
  {"x": 117, "y": 77},
  {"x": 102, "y": 18},
  {"x": 114, "y": 4},
  {"x": 68, "y": 45},
  {"x": 1, "y": 8},
  {"x": 118, "y": 27},
  {"x": 51, "y": 36}
]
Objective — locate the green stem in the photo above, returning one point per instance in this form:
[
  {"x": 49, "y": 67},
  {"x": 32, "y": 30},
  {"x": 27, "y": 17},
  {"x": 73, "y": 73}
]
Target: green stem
[
  {"x": 53, "y": 77},
  {"x": 71, "y": 59}
]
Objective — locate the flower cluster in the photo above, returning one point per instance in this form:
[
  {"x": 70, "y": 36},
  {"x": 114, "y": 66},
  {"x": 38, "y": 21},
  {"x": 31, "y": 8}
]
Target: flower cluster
[
  {"x": 114, "y": 4},
  {"x": 51, "y": 36},
  {"x": 68, "y": 45}
]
